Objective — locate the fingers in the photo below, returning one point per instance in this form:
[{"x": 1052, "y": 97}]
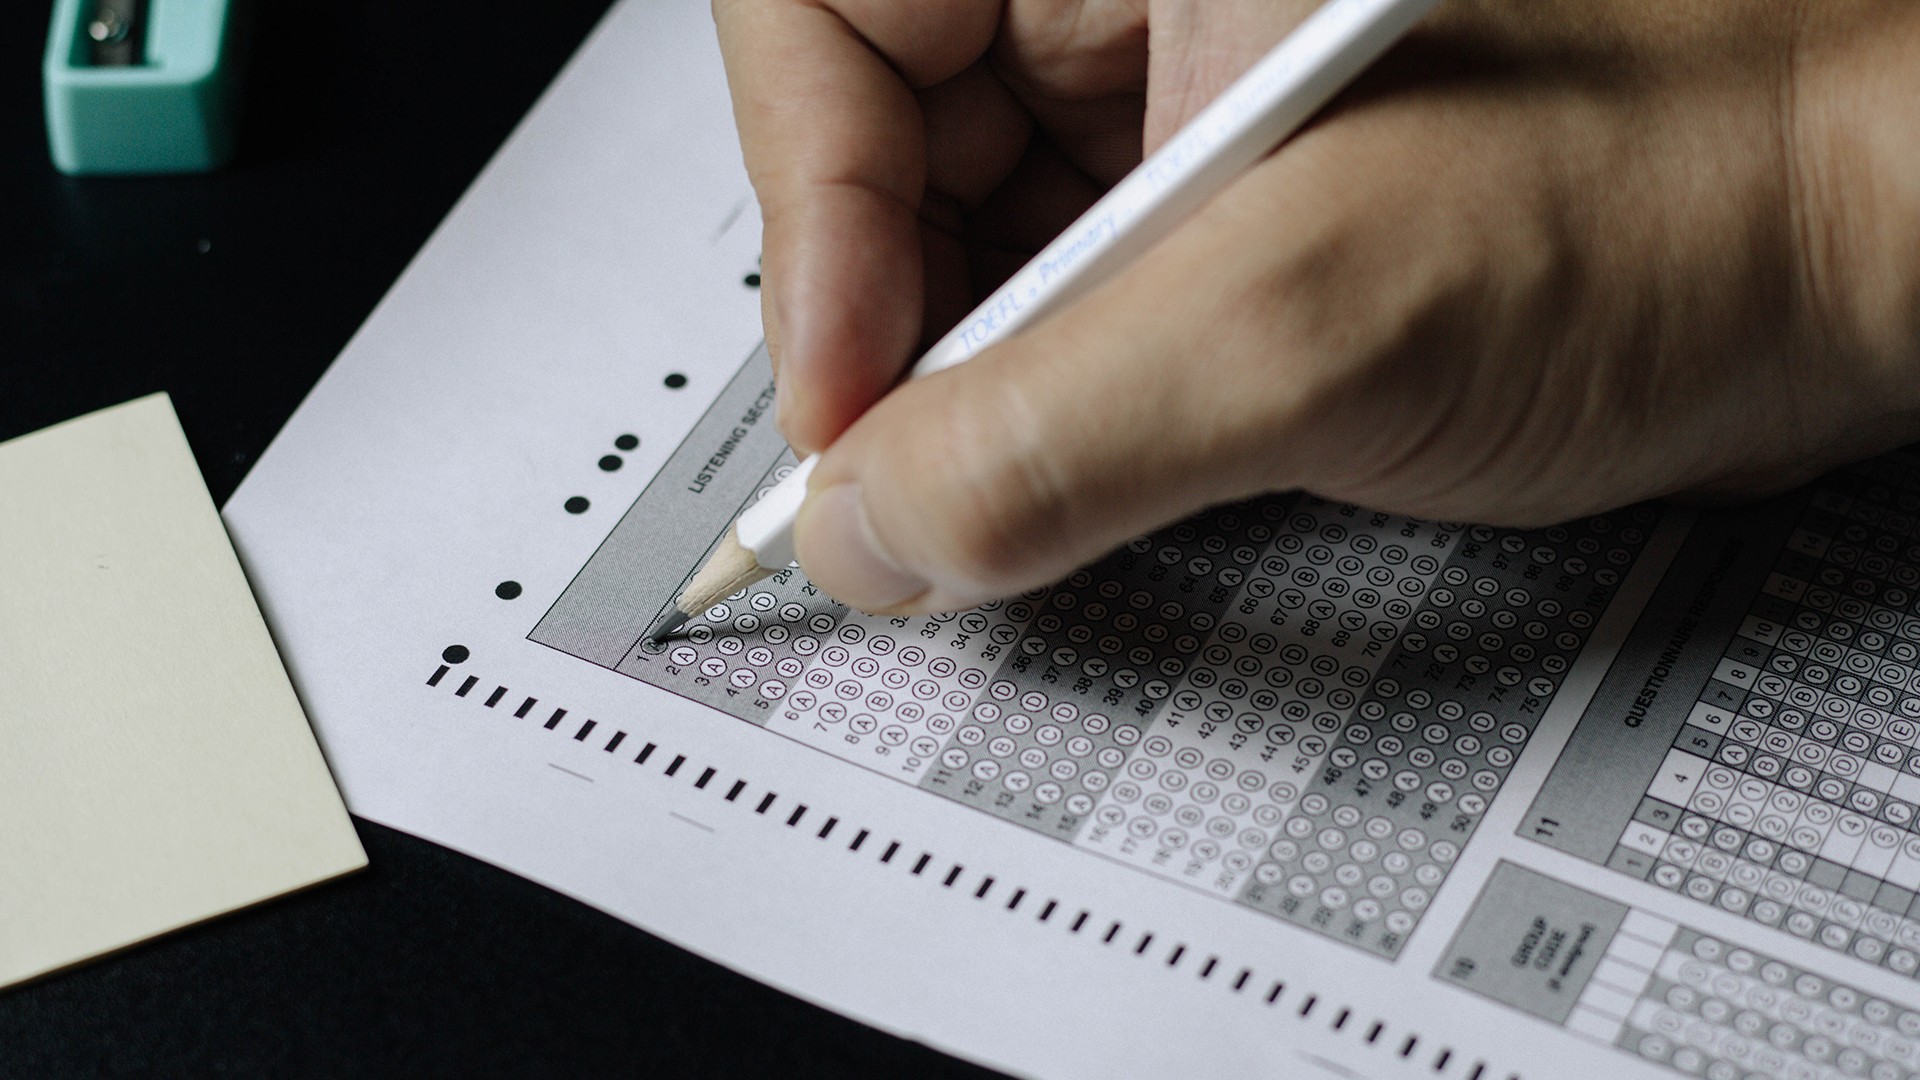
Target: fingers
[
  {"x": 834, "y": 143},
  {"x": 1151, "y": 398},
  {"x": 1080, "y": 68},
  {"x": 1315, "y": 327},
  {"x": 1043, "y": 195},
  {"x": 1015, "y": 468},
  {"x": 976, "y": 135}
]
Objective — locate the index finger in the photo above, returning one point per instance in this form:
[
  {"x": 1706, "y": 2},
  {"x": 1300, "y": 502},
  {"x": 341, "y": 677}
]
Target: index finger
[{"x": 823, "y": 94}]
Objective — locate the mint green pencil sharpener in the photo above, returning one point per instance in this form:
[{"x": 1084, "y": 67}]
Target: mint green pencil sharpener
[{"x": 141, "y": 86}]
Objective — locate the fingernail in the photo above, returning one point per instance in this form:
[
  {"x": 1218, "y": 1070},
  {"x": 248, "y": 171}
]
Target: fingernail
[
  {"x": 837, "y": 544},
  {"x": 786, "y": 417}
]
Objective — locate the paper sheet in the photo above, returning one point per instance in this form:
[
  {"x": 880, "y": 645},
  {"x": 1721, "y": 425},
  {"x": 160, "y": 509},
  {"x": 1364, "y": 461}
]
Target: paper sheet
[
  {"x": 155, "y": 766},
  {"x": 1281, "y": 788}
]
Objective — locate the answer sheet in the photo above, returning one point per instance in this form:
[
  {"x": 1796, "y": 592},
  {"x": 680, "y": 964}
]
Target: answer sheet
[{"x": 1289, "y": 787}]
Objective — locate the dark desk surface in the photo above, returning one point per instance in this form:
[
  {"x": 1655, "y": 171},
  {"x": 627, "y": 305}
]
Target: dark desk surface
[{"x": 233, "y": 291}]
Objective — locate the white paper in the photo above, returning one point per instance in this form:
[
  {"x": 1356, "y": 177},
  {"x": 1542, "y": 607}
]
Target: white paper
[{"x": 1301, "y": 820}]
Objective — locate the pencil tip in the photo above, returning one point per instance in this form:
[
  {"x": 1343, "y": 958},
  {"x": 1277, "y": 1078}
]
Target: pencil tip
[{"x": 665, "y": 625}]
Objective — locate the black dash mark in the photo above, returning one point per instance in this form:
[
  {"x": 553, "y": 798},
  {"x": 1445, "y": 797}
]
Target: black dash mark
[
  {"x": 1441, "y": 1060},
  {"x": 645, "y": 753}
]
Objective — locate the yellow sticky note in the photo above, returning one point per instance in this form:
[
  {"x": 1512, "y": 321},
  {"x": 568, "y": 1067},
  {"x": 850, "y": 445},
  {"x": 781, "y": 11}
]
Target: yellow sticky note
[{"x": 155, "y": 766}]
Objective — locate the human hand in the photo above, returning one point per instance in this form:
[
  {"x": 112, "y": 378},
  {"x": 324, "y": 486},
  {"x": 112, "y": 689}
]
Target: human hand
[{"x": 1544, "y": 260}]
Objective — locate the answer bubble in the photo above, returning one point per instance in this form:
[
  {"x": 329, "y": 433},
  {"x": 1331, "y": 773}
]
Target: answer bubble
[
  {"x": 507, "y": 590},
  {"x": 455, "y": 654},
  {"x": 611, "y": 463},
  {"x": 627, "y": 442},
  {"x": 675, "y": 381},
  {"x": 577, "y": 505}
]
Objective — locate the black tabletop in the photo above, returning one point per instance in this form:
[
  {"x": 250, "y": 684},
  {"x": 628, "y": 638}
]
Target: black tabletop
[{"x": 364, "y": 122}]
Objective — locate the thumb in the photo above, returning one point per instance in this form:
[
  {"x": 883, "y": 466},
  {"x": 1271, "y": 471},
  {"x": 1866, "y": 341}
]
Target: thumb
[{"x": 1125, "y": 411}]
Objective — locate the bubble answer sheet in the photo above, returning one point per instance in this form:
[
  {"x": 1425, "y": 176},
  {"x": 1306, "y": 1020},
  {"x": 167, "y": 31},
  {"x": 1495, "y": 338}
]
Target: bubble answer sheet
[{"x": 1289, "y": 789}]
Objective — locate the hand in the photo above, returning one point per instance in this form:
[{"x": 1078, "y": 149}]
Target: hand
[{"x": 1546, "y": 259}]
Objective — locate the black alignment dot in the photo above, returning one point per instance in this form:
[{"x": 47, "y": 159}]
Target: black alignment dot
[
  {"x": 455, "y": 654},
  {"x": 610, "y": 463},
  {"x": 577, "y": 505},
  {"x": 507, "y": 590},
  {"x": 675, "y": 381},
  {"x": 752, "y": 281},
  {"x": 626, "y": 442}
]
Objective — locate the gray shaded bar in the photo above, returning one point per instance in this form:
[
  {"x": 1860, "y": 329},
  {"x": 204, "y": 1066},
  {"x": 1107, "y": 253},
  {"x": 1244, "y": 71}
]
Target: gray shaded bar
[
  {"x": 1662, "y": 670},
  {"x": 667, "y": 532}
]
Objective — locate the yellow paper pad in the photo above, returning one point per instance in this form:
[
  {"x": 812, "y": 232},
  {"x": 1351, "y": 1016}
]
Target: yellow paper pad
[{"x": 156, "y": 768}]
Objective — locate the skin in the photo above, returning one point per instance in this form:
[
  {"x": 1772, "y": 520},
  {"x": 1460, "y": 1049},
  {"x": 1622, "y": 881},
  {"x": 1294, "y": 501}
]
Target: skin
[{"x": 1547, "y": 258}]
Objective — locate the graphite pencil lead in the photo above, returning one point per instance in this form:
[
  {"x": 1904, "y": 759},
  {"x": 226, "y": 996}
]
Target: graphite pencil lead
[{"x": 666, "y": 625}]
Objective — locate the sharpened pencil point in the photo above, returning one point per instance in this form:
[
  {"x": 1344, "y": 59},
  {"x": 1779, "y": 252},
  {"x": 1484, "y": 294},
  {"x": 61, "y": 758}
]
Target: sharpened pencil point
[{"x": 666, "y": 625}]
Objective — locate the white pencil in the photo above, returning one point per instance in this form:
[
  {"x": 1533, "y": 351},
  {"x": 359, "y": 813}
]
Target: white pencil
[{"x": 1246, "y": 122}]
